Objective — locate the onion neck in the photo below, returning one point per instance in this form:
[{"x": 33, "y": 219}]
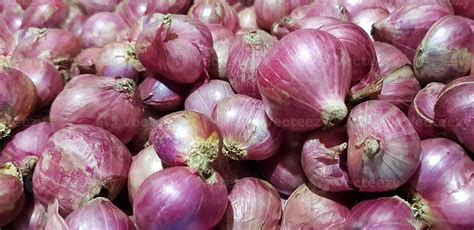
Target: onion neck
[
  {"x": 10, "y": 169},
  {"x": 166, "y": 27},
  {"x": 234, "y": 151},
  {"x": 371, "y": 147},
  {"x": 256, "y": 39},
  {"x": 202, "y": 156},
  {"x": 4, "y": 131},
  {"x": 418, "y": 207},
  {"x": 125, "y": 85},
  {"x": 337, "y": 150},
  {"x": 334, "y": 114},
  {"x": 285, "y": 26}
]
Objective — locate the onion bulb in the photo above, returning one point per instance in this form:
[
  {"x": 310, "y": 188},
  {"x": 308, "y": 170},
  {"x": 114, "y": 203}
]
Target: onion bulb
[
  {"x": 205, "y": 98},
  {"x": 215, "y": 12},
  {"x": 103, "y": 28},
  {"x": 118, "y": 59},
  {"x": 222, "y": 40},
  {"x": 270, "y": 11},
  {"x": 366, "y": 18},
  {"x": 12, "y": 197},
  {"x": 161, "y": 94},
  {"x": 45, "y": 13}
]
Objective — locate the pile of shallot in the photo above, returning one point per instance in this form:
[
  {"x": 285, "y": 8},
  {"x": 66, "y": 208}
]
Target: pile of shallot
[{"x": 236, "y": 114}]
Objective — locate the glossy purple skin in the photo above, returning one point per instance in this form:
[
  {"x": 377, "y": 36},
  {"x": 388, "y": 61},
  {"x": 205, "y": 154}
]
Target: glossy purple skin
[
  {"x": 10, "y": 20},
  {"x": 321, "y": 8},
  {"x": 47, "y": 79},
  {"x": 454, "y": 110},
  {"x": 445, "y": 53},
  {"x": 463, "y": 8},
  {"x": 169, "y": 7},
  {"x": 32, "y": 217},
  {"x": 389, "y": 58},
  {"x": 118, "y": 59},
  {"x": 99, "y": 213},
  {"x": 269, "y": 12},
  {"x": 222, "y": 39},
  {"x": 215, "y": 11},
  {"x": 110, "y": 103},
  {"x": 77, "y": 163},
  {"x": 141, "y": 23},
  {"x": 383, "y": 150},
  {"x": 161, "y": 94},
  {"x": 405, "y": 27},
  {"x": 247, "y": 133},
  {"x": 205, "y": 98},
  {"x": 177, "y": 198},
  {"x": 145, "y": 164},
  {"x": 382, "y": 213},
  {"x": 132, "y": 10},
  {"x": 74, "y": 20},
  {"x": 103, "y": 28},
  {"x": 421, "y": 112},
  {"x": 245, "y": 55},
  {"x": 94, "y": 6},
  {"x": 366, "y": 18},
  {"x": 45, "y": 13},
  {"x": 302, "y": 89},
  {"x": 27, "y": 146},
  {"x": 12, "y": 197}
]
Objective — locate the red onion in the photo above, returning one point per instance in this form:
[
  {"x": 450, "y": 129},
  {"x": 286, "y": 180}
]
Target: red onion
[
  {"x": 421, "y": 113},
  {"x": 248, "y": 18},
  {"x": 85, "y": 62},
  {"x": 18, "y": 37},
  {"x": 32, "y": 217},
  {"x": 23, "y": 3},
  {"x": 215, "y": 11},
  {"x": 149, "y": 121},
  {"x": 187, "y": 138},
  {"x": 99, "y": 213},
  {"x": 18, "y": 97},
  {"x": 405, "y": 27},
  {"x": 294, "y": 99},
  {"x": 389, "y": 58},
  {"x": 47, "y": 79},
  {"x": 270, "y": 11},
  {"x": 444, "y": 54},
  {"x": 177, "y": 47},
  {"x": 183, "y": 200},
  {"x": 12, "y": 197},
  {"x": 321, "y": 8},
  {"x": 27, "y": 146},
  {"x": 222, "y": 39},
  {"x": 110, "y": 103},
  {"x": 103, "y": 28},
  {"x": 463, "y": 8},
  {"x": 254, "y": 204},
  {"x": 118, "y": 59},
  {"x": 45, "y": 13},
  {"x": 366, "y": 18},
  {"x": 384, "y": 150},
  {"x": 382, "y": 213},
  {"x": 161, "y": 94},
  {"x": 205, "y": 98},
  {"x": 78, "y": 163},
  {"x": 132, "y": 10},
  {"x": 324, "y": 159},
  {"x": 245, "y": 55},
  {"x": 74, "y": 20},
  {"x": 95, "y": 6},
  {"x": 247, "y": 132},
  {"x": 306, "y": 209},
  {"x": 10, "y": 20},
  {"x": 169, "y": 6},
  {"x": 3, "y": 47},
  {"x": 144, "y": 165},
  {"x": 453, "y": 110},
  {"x": 54, "y": 220},
  {"x": 141, "y": 23}
]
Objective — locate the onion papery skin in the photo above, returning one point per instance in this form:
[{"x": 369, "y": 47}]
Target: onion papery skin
[
  {"x": 354, "y": 7},
  {"x": 95, "y": 6},
  {"x": 453, "y": 110},
  {"x": 382, "y": 213},
  {"x": 161, "y": 94},
  {"x": 215, "y": 12},
  {"x": 149, "y": 121},
  {"x": 18, "y": 37},
  {"x": 132, "y": 10},
  {"x": 32, "y": 217},
  {"x": 389, "y": 58},
  {"x": 85, "y": 62},
  {"x": 205, "y": 98},
  {"x": 324, "y": 162},
  {"x": 366, "y": 18},
  {"x": 12, "y": 197},
  {"x": 187, "y": 139},
  {"x": 47, "y": 79},
  {"x": 144, "y": 165},
  {"x": 18, "y": 97},
  {"x": 78, "y": 162},
  {"x": 270, "y": 11},
  {"x": 45, "y": 13},
  {"x": 27, "y": 146},
  {"x": 169, "y": 6},
  {"x": 253, "y": 204},
  {"x": 245, "y": 55},
  {"x": 248, "y": 18},
  {"x": 222, "y": 40},
  {"x": 321, "y": 9},
  {"x": 99, "y": 213},
  {"x": 405, "y": 27},
  {"x": 141, "y": 23},
  {"x": 10, "y": 20},
  {"x": 177, "y": 47},
  {"x": 74, "y": 20},
  {"x": 112, "y": 103},
  {"x": 383, "y": 151},
  {"x": 306, "y": 209},
  {"x": 187, "y": 201},
  {"x": 463, "y": 8},
  {"x": 445, "y": 53},
  {"x": 247, "y": 133},
  {"x": 103, "y": 28},
  {"x": 118, "y": 59},
  {"x": 421, "y": 112},
  {"x": 54, "y": 220},
  {"x": 294, "y": 99}
]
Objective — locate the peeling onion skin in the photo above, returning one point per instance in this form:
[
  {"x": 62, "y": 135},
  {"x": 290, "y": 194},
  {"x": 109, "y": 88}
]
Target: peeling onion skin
[
  {"x": 27, "y": 146},
  {"x": 103, "y": 28},
  {"x": 45, "y": 13},
  {"x": 245, "y": 55},
  {"x": 270, "y": 11},
  {"x": 85, "y": 62},
  {"x": 99, "y": 213},
  {"x": 383, "y": 151},
  {"x": 405, "y": 27},
  {"x": 32, "y": 217},
  {"x": 205, "y": 98},
  {"x": 382, "y": 213},
  {"x": 54, "y": 220},
  {"x": 18, "y": 98},
  {"x": 85, "y": 159},
  {"x": 306, "y": 209},
  {"x": 222, "y": 40},
  {"x": 143, "y": 166},
  {"x": 253, "y": 204},
  {"x": 247, "y": 133},
  {"x": 12, "y": 197},
  {"x": 288, "y": 86},
  {"x": 445, "y": 53},
  {"x": 187, "y": 201},
  {"x": 421, "y": 112},
  {"x": 118, "y": 59},
  {"x": 366, "y": 18},
  {"x": 331, "y": 9},
  {"x": 215, "y": 12},
  {"x": 389, "y": 58},
  {"x": 108, "y": 102},
  {"x": 453, "y": 110}
]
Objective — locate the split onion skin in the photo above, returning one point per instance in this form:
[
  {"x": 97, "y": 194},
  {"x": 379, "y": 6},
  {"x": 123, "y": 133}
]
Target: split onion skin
[{"x": 54, "y": 220}]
